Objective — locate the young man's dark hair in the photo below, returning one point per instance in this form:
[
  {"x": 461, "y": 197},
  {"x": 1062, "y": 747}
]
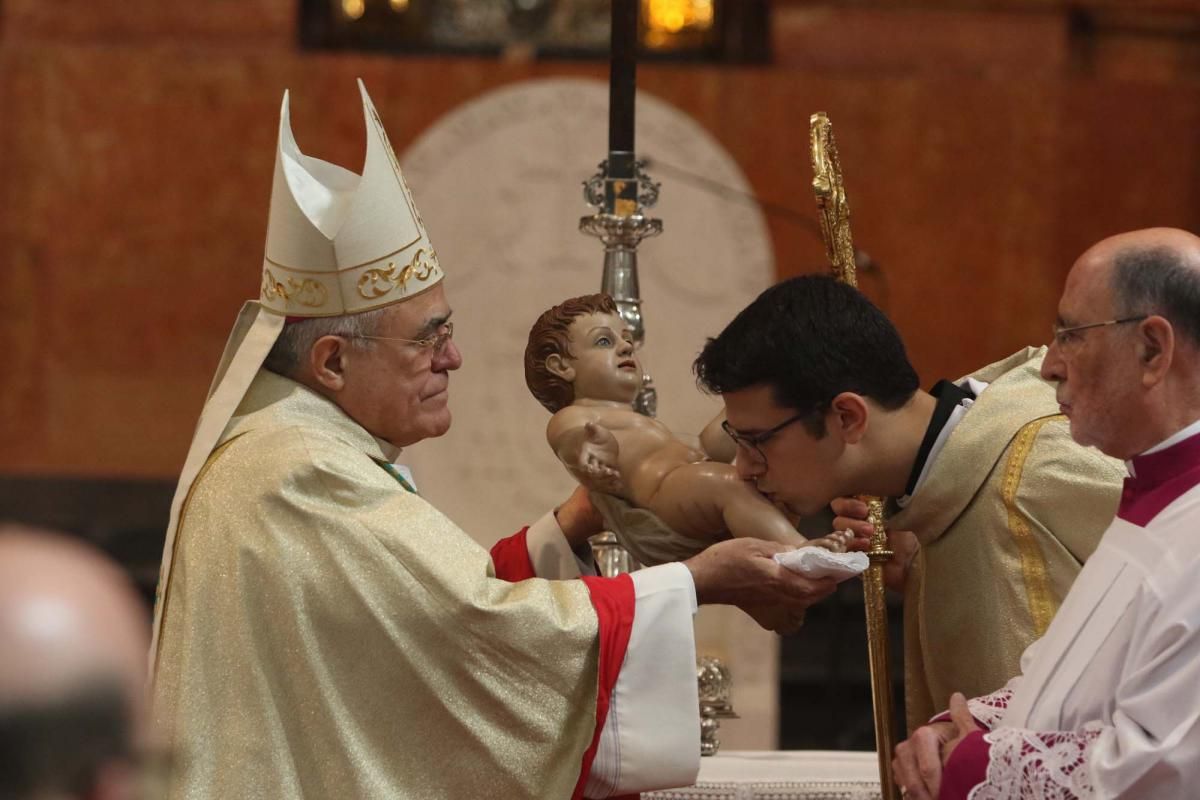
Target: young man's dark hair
[{"x": 810, "y": 338}]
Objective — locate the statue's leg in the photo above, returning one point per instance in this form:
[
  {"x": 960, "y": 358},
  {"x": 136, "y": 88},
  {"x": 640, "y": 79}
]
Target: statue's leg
[
  {"x": 748, "y": 513},
  {"x": 707, "y": 499}
]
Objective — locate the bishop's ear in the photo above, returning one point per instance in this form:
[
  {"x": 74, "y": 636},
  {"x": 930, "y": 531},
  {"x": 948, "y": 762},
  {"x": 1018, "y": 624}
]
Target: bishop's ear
[
  {"x": 847, "y": 417},
  {"x": 1156, "y": 348},
  {"x": 558, "y": 366},
  {"x": 327, "y": 362}
]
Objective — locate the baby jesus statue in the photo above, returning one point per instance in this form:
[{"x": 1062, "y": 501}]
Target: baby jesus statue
[{"x": 580, "y": 364}]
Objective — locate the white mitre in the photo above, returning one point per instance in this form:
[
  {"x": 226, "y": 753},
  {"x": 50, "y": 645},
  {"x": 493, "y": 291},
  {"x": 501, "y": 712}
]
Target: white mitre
[{"x": 337, "y": 243}]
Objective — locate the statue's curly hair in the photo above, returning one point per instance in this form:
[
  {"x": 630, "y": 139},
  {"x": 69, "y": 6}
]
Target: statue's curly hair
[{"x": 550, "y": 335}]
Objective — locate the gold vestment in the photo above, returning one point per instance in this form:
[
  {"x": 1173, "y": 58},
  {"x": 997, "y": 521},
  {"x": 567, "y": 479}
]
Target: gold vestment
[
  {"x": 1008, "y": 512},
  {"x": 328, "y": 634}
]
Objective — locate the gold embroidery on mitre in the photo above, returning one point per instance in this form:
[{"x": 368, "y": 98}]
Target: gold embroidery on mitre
[
  {"x": 307, "y": 292},
  {"x": 377, "y": 282},
  {"x": 1042, "y": 603}
]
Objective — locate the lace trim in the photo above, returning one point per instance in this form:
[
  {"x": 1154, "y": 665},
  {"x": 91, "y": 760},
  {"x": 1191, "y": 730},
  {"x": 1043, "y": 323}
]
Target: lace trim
[
  {"x": 988, "y": 710},
  {"x": 1035, "y": 765}
]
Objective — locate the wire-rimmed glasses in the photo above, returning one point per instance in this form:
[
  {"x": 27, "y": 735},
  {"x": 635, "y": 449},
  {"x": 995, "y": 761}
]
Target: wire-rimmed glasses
[{"x": 437, "y": 343}]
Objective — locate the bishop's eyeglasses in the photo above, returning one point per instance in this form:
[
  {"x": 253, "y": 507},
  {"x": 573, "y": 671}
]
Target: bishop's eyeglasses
[{"x": 436, "y": 343}]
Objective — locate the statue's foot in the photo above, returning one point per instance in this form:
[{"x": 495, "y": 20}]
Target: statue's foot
[{"x": 836, "y": 542}]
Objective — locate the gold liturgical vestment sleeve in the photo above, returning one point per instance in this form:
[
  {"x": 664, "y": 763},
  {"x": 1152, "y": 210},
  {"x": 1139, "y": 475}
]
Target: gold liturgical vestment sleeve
[
  {"x": 1008, "y": 513},
  {"x": 329, "y": 635}
]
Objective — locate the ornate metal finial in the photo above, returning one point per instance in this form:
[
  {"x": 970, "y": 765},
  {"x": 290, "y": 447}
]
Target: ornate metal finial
[
  {"x": 832, "y": 205},
  {"x": 647, "y": 189}
]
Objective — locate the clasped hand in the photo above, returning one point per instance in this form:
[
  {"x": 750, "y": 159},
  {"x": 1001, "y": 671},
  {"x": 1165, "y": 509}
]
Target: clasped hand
[
  {"x": 850, "y": 514},
  {"x": 920, "y": 760}
]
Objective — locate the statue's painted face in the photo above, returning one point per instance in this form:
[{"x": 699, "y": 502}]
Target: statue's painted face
[{"x": 602, "y": 365}]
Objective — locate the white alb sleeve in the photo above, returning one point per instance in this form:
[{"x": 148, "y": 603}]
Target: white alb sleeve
[
  {"x": 550, "y": 554},
  {"x": 651, "y": 737}
]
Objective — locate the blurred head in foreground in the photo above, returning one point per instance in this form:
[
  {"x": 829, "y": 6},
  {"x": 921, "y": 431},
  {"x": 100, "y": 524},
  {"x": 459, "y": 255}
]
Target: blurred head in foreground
[{"x": 74, "y": 637}]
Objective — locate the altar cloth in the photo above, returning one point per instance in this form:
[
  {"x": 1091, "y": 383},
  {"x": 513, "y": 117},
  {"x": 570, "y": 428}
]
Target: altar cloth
[{"x": 782, "y": 775}]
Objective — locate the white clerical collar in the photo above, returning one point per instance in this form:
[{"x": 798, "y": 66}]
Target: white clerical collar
[
  {"x": 1173, "y": 439},
  {"x": 389, "y": 450},
  {"x": 976, "y": 388},
  {"x": 392, "y": 453}
]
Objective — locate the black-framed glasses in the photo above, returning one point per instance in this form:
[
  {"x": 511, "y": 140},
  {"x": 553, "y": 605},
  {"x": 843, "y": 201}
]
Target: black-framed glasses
[
  {"x": 752, "y": 443},
  {"x": 437, "y": 342},
  {"x": 1065, "y": 336}
]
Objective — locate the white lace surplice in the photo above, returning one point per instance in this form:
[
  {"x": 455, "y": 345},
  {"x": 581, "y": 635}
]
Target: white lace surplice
[{"x": 1108, "y": 703}]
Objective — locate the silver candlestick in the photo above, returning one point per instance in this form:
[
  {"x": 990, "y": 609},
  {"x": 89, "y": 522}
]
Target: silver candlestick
[
  {"x": 611, "y": 559},
  {"x": 620, "y": 224},
  {"x": 715, "y": 684}
]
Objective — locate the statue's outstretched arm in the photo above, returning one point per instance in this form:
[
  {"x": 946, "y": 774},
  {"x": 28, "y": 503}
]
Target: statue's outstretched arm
[{"x": 589, "y": 451}]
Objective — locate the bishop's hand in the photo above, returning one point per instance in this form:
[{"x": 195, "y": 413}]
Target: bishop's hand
[
  {"x": 579, "y": 520},
  {"x": 743, "y": 573}
]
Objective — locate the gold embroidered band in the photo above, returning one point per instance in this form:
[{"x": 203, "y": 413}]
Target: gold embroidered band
[{"x": 1042, "y": 603}]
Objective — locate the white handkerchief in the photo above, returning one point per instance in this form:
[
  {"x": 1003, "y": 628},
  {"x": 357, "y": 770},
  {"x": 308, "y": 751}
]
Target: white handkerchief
[{"x": 817, "y": 562}]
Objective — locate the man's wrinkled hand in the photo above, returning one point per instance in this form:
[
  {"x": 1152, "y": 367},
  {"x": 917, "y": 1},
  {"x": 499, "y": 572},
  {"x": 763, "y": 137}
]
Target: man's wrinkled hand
[
  {"x": 742, "y": 573},
  {"x": 964, "y": 724},
  {"x": 917, "y": 767},
  {"x": 776, "y": 619},
  {"x": 920, "y": 761}
]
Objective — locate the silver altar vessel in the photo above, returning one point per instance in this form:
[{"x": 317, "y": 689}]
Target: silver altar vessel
[{"x": 715, "y": 684}]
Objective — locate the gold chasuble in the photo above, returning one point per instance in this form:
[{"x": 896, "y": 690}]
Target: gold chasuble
[
  {"x": 1010, "y": 509},
  {"x": 329, "y": 634},
  {"x": 322, "y": 632}
]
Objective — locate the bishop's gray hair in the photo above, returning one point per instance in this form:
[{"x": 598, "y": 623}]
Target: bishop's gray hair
[
  {"x": 1158, "y": 281},
  {"x": 297, "y": 338}
]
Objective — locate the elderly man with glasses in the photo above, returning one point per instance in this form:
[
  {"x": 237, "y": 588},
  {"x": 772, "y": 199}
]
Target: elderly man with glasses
[
  {"x": 324, "y": 632},
  {"x": 993, "y": 508},
  {"x": 1105, "y": 705}
]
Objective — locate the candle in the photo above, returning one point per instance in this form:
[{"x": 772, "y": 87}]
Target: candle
[{"x": 622, "y": 80}]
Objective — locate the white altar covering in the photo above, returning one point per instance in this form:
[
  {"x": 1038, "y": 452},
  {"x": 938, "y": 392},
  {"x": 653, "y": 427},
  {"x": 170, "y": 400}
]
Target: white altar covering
[{"x": 782, "y": 775}]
